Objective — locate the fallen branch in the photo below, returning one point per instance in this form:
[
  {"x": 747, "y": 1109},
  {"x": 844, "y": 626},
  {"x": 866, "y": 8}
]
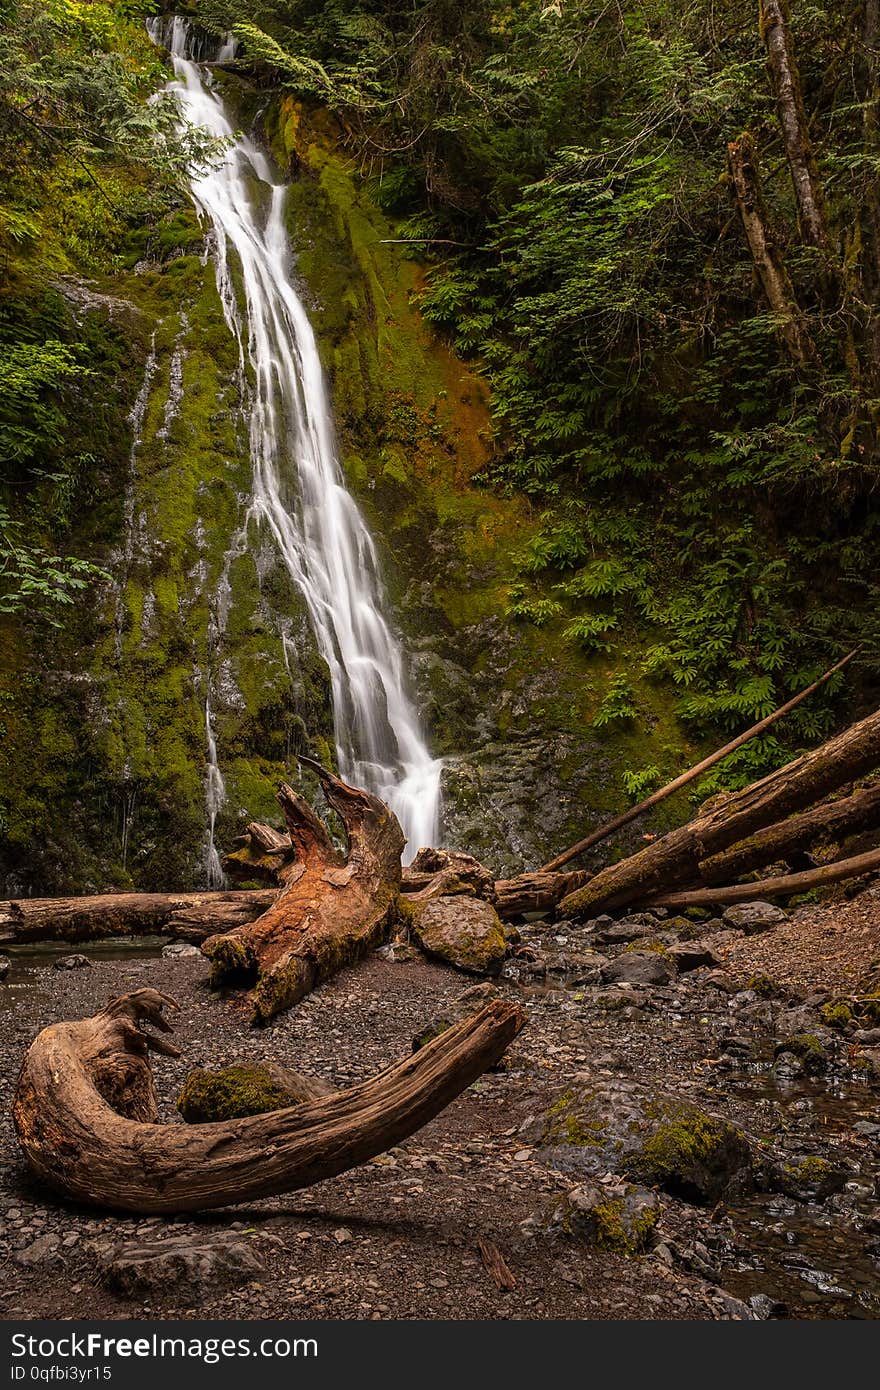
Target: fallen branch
[
  {"x": 86, "y": 1115},
  {"x": 693, "y": 772},
  {"x": 674, "y": 860},
  {"x": 191, "y": 916},
  {"x": 787, "y": 886}
]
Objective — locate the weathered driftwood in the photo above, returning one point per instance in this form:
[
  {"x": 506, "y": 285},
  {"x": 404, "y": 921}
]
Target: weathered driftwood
[
  {"x": 786, "y": 886},
  {"x": 537, "y": 892},
  {"x": 692, "y": 773},
  {"x": 830, "y": 821},
  {"x": 87, "y": 1120},
  {"x": 263, "y": 853},
  {"x": 674, "y": 860},
  {"x": 192, "y": 916},
  {"x": 330, "y": 911}
]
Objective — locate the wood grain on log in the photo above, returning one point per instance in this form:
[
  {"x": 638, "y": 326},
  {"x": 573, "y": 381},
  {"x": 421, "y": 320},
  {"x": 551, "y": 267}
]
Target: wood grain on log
[
  {"x": 86, "y": 1115},
  {"x": 330, "y": 910},
  {"x": 197, "y": 915}
]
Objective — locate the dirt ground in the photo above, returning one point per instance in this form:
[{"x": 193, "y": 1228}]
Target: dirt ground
[{"x": 397, "y": 1238}]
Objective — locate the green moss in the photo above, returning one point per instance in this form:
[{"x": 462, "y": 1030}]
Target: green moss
[
  {"x": 836, "y": 1014},
  {"x": 679, "y": 1144},
  {"x": 208, "y": 1097},
  {"x": 808, "y": 1049},
  {"x": 619, "y": 1229},
  {"x": 764, "y": 987}
]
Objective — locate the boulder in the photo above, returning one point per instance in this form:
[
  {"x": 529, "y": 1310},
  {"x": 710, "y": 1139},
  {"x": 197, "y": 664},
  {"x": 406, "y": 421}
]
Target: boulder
[
  {"x": 639, "y": 968},
  {"x": 467, "y": 1004},
  {"x": 801, "y": 1055},
  {"x": 229, "y": 1094},
  {"x": 808, "y": 1179},
  {"x": 692, "y": 955},
  {"x": 462, "y": 931},
  {"x": 154, "y": 1266},
  {"x": 611, "y": 1214},
  {"x": 74, "y": 962},
  {"x": 754, "y": 917},
  {"x": 647, "y": 1137}
]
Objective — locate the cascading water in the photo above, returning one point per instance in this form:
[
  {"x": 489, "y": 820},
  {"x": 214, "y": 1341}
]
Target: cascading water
[{"x": 298, "y": 486}]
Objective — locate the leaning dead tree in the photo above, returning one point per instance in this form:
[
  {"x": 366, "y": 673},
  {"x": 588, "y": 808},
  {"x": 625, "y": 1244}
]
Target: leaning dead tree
[
  {"x": 331, "y": 909},
  {"x": 86, "y": 1115}
]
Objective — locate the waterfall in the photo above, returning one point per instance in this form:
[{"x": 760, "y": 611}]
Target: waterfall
[{"x": 298, "y": 488}]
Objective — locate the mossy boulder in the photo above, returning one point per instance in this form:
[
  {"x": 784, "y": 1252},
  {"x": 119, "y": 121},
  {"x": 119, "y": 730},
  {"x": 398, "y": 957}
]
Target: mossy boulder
[
  {"x": 809, "y": 1178},
  {"x": 233, "y": 1092},
  {"x": 613, "y": 1215},
  {"x": 461, "y": 931},
  {"x": 803, "y": 1054},
  {"x": 647, "y": 1137}
]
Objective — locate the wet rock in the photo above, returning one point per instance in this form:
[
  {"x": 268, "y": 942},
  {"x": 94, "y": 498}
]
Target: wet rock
[
  {"x": 155, "y": 1266},
  {"x": 74, "y": 962},
  {"x": 467, "y": 1004},
  {"x": 754, "y": 917},
  {"x": 692, "y": 955},
  {"x": 647, "y": 1137},
  {"x": 613, "y": 1215},
  {"x": 637, "y": 968},
  {"x": 232, "y": 1092},
  {"x": 808, "y": 1178},
  {"x": 804, "y": 1052},
  {"x": 176, "y": 949},
  {"x": 462, "y": 931}
]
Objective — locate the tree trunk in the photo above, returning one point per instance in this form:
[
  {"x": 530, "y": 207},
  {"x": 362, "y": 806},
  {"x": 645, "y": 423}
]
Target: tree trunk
[
  {"x": 192, "y": 916},
  {"x": 793, "y": 120},
  {"x": 784, "y": 887},
  {"x": 743, "y": 166},
  {"x": 86, "y": 1115},
  {"x": 675, "y": 859},
  {"x": 831, "y": 821},
  {"x": 330, "y": 910}
]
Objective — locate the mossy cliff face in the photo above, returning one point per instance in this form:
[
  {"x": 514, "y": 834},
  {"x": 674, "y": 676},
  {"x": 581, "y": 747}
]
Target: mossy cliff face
[
  {"x": 510, "y": 706},
  {"x": 103, "y": 757}
]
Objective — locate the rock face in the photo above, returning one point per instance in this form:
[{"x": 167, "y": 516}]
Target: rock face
[
  {"x": 155, "y": 1266},
  {"x": 656, "y": 1139},
  {"x": 462, "y": 931},
  {"x": 614, "y": 1215},
  {"x": 753, "y": 917},
  {"x": 229, "y": 1094},
  {"x": 468, "y": 1003}
]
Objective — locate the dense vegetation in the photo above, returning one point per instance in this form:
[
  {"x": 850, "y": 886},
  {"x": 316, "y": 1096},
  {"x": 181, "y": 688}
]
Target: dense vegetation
[{"x": 693, "y": 412}]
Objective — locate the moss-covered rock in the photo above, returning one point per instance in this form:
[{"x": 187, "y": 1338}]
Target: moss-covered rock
[
  {"x": 210, "y": 1096},
  {"x": 615, "y": 1216},
  {"x": 461, "y": 931},
  {"x": 649, "y": 1138},
  {"x": 807, "y": 1051},
  {"x": 808, "y": 1178}
]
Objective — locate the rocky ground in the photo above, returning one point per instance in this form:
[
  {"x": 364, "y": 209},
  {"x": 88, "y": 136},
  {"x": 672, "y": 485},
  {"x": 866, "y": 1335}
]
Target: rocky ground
[{"x": 687, "y": 1128}]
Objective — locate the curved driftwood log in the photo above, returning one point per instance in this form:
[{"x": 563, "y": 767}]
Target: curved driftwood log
[
  {"x": 85, "y": 1113},
  {"x": 330, "y": 910}
]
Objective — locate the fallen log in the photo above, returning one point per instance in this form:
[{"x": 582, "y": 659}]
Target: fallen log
[
  {"x": 330, "y": 911},
  {"x": 694, "y": 772},
  {"x": 263, "y": 854},
  {"x": 86, "y": 1114},
  {"x": 831, "y": 820},
  {"x": 674, "y": 860},
  {"x": 786, "y": 886},
  {"x": 536, "y": 892},
  {"x": 192, "y": 916}
]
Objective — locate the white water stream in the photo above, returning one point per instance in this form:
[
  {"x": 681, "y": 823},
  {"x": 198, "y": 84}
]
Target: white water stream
[{"x": 298, "y": 487}]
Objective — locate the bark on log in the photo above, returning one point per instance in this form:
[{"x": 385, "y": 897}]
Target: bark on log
[
  {"x": 193, "y": 916},
  {"x": 784, "y": 887},
  {"x": 674, "y": 860},
  {"x": 832, "y": 820},
  {"x": 537, "y": 892},
  {"x": 692, "y": 773},
  {"x": 86, "y": 1115},
  {"x": 330, "y": 910},
  {"x": 263, "y": 854}
]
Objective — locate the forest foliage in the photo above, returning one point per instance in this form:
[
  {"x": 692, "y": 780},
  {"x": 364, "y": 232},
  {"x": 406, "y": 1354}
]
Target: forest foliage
[{"x": 692, "y": 410}]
